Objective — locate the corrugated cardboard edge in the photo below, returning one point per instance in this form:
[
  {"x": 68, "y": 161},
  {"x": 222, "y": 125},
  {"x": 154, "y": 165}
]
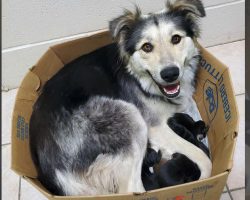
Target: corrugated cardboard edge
[
  {"x": 63, "y": 52},
  {"x": 26, "y": 96},
  {"x": 232, "y": 131},
  {"x": 215, "y": 183},
  {"x": 236, "y": 133}
]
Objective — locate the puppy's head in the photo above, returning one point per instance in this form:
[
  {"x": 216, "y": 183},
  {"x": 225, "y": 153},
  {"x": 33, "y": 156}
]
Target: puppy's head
[
  {"x": 159, "y": 47},
  {"x": 180, "y": 169}
]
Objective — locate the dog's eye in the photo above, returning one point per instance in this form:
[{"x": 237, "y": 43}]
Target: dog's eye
[
  {"x": 176, "y": 39},
  {"x": 147, "y": 47}
]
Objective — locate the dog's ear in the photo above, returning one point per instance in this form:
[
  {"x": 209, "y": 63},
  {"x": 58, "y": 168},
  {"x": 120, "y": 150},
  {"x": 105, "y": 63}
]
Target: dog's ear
[
  {"x": 122, "y": 24},
  {"x": 193, "y": 7}
]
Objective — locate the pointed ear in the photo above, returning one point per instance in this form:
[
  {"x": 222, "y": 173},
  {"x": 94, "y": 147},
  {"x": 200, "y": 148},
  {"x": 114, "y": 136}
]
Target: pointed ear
[
  {"x": 193, "y": 7},
  {"x": 192, "y": 11},
  {"x": 122, "y": 24}
]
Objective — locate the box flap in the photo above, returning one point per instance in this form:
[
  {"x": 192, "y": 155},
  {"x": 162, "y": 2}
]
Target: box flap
[
  {"x": 47, "y": 66},
  {"x": 28, "y": 92},
  {"x": 21, "y": 159},
  {"x": 217, "y": 105},
  {"x": 71, "y": 50}
]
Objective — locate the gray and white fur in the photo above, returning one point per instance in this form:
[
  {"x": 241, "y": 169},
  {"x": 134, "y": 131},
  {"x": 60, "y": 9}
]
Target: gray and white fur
[{"x": 90, "y": 126}]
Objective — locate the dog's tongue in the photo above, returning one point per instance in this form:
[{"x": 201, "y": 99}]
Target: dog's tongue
[{"x": 172, "y": 89}]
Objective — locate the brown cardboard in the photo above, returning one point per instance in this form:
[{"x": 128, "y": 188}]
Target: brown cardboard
[{"x": 214, "y": 87}]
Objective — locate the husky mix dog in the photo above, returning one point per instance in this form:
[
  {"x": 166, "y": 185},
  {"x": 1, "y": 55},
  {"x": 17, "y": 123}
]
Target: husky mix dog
[{"x": 91, "y": 124}]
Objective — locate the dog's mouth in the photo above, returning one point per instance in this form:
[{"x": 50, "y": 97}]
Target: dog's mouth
[{"x": 171, "y": 91}]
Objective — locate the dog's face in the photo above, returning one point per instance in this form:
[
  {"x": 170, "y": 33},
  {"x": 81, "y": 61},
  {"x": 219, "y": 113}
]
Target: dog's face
[{"x": 159, "y": 47}]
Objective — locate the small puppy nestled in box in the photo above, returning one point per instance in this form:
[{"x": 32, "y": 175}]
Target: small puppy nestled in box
[
  {"x": 100, "y": 112},
  {"x": 179, "y": 169}
]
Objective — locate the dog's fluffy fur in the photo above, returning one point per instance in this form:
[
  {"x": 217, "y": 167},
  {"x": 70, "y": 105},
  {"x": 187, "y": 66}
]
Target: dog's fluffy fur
[{"x": 90, "y": 125}]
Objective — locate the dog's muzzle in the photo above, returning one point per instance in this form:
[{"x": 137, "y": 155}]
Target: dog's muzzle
[
  {"x": 170, "y": 74},
  {"x": 170, "y": 90}
]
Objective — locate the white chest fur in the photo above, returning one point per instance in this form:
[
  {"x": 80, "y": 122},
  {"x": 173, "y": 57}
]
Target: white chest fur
[{"x": 163, "y": 138}]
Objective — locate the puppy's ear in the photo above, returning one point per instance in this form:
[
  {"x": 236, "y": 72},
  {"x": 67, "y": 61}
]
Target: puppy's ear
[
  {"x": 193, "y": 7},
  {"x": 120, "y": 26}
]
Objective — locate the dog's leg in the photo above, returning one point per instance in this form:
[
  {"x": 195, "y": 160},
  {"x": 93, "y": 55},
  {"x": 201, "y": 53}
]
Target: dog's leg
[
  {"x": 106, "y": 149},
  {"x": 130, "y": 173},
  {"x": 139, "y": 149},
  {"x": 135, "y": 182},
  {"x": 165, "y": 139},
  {"x": 129, "y": 162}
]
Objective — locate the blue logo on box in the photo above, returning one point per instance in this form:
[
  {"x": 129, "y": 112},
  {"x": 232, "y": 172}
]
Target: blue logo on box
[
  {"x": 22, "y": 128},
  {"x": 210, "y": 99}
]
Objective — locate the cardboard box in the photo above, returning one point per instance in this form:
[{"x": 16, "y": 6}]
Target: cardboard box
[{"x": 214, "y": 97}]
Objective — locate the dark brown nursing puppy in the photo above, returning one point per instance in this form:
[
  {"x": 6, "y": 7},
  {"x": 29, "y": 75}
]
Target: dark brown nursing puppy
[{"x": 179, "y": 169}]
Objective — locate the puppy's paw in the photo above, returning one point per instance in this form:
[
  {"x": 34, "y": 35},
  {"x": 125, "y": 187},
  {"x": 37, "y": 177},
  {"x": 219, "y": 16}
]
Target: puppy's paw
[
  {"x": 183, "y": 119},
  {"x": 200, "y": 129},
  {"x": 180, "y": 123},
  {"x": 152, "y": 157}
]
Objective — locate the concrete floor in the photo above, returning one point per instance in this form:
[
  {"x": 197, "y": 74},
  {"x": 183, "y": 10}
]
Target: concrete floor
[{"x": 232, "y": 54}]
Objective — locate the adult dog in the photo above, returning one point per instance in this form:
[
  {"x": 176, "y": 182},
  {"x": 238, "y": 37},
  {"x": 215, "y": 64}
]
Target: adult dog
[{"x": 90, "y": 126}]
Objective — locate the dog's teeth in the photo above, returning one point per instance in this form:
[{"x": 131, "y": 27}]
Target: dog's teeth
[{"x": 172, "y": 91}]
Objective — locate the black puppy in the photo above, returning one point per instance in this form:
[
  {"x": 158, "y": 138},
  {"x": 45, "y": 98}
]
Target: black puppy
[
  {"x": 180, "y": 169},
  {"x": 149, "y": 179},
  {"x": 184, "y": 125}
]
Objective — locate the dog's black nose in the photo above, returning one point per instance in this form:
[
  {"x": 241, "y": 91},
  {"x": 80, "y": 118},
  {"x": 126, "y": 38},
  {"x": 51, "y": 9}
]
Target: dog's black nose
[{"x": 170, "y": 74}]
